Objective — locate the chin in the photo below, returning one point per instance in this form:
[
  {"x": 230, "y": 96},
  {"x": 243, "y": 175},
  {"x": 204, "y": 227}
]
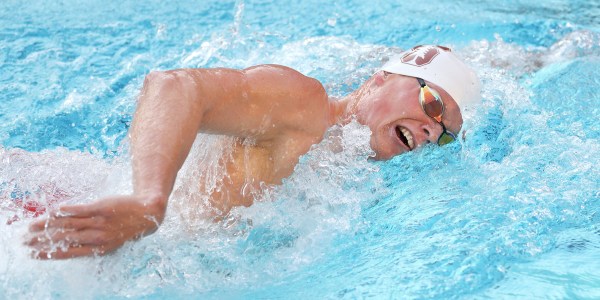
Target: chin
[{"x": 381, "y": 154}]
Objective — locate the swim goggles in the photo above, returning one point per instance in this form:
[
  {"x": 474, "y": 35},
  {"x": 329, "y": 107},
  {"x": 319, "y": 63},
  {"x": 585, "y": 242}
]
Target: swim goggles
[{"x": 432, "y": 104}]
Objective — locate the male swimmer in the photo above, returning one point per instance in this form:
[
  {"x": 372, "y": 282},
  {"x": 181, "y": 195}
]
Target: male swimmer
[{"x": 416, "y": 98}]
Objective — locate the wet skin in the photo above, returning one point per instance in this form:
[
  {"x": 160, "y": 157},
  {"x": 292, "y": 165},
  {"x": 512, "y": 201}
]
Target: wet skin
[
  {"x": 282, "y": 112},
  {"x": 393, "y": 107}
]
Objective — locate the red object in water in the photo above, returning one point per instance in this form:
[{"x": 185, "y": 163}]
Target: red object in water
[
  {"x": 35, "y": 208},
  {"x": 32, "y": 208}
]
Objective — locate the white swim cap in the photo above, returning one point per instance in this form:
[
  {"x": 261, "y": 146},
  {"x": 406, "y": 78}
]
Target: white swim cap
[{"x": 437, "y": 64}]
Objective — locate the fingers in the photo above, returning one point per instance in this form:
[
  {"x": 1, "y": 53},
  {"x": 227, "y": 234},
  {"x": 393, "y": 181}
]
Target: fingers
[
  {"x": 79, "y": 211},
  {"x": 70, "y": 252},
  {"x": 69, "y": 244},
  {"x": 69, "y": 217},
  {"x": 66, "y": 223},
  {"x": 62, "y": 238},
  {"x": 96, "y": 228}
]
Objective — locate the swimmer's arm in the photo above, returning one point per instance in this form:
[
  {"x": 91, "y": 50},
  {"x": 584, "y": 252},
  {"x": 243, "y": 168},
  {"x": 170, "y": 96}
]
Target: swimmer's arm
[
  {"x": 164, "y": 127},
  {"x": 259, "y": 102},
  {"x": 173, "y": 107}
]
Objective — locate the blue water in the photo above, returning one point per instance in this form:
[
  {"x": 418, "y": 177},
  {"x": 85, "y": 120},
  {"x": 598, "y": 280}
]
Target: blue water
[{"x": 512, "y": 211}]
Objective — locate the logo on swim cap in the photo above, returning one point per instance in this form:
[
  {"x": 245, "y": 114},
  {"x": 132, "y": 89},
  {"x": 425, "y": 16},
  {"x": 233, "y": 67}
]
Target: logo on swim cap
[{"x": 422, "y": 55}]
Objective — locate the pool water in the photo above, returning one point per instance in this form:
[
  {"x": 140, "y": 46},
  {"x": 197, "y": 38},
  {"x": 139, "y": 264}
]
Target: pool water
[{"x": 511, "y": 211}]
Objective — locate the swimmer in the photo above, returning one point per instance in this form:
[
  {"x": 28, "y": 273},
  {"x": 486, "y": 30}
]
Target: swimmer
[{"x": 414, "y": 99}]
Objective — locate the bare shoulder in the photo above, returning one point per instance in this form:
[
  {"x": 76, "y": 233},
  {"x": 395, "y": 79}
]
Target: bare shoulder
[
  {"x": 279, "y": 72},
  {"x": 284, "y": 80},
  {"x": 302, "y": 100},
  {"x": 263, "y": 102}
]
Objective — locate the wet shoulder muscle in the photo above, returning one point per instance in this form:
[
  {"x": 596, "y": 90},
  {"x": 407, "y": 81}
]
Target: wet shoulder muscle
[{"x": 294, "y": 101}]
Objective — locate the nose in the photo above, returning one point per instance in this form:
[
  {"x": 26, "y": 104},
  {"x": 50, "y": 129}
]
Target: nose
[{"x": 432, "y": 130}]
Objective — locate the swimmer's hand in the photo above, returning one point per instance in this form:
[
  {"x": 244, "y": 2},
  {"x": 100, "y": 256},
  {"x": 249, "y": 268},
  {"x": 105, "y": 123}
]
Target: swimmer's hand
[{"x": 94, "y": 229}]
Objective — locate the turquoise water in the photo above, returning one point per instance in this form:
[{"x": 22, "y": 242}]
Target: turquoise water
[{"x": 512, "y": 211}]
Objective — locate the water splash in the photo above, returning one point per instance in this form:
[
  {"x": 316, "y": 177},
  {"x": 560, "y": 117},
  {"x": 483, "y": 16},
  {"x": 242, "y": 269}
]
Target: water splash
[{"x": 487, "y": 217}]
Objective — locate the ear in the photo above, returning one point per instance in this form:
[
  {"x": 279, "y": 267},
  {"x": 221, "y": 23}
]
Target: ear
[{"x": 380, "y": 77}]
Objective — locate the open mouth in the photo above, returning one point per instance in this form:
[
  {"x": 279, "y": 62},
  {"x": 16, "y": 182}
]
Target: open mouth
[{"x": 405, "y": 137}]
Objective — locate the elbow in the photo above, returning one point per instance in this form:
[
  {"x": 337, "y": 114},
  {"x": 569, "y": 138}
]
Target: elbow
[
  {"x": 153, "y": 76},
  {"x": 157, "y": 80},
  {"x": 167, "y": 83},
  {"x": 154, "y": 85}
]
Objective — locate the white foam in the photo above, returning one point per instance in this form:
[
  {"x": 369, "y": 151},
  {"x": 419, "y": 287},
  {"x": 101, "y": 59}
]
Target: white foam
[{"x": 290, "y": 227}]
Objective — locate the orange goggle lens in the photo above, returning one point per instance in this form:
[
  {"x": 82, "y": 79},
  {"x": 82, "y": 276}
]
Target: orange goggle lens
[{"x": 432, "y": 104}]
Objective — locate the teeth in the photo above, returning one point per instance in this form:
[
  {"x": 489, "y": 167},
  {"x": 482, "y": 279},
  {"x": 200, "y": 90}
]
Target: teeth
[{"x": 409, "y": 137}]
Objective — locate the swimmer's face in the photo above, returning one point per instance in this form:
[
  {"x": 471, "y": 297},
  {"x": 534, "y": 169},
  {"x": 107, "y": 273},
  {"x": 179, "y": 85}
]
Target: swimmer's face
[{"x": 392, "y": 111}]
